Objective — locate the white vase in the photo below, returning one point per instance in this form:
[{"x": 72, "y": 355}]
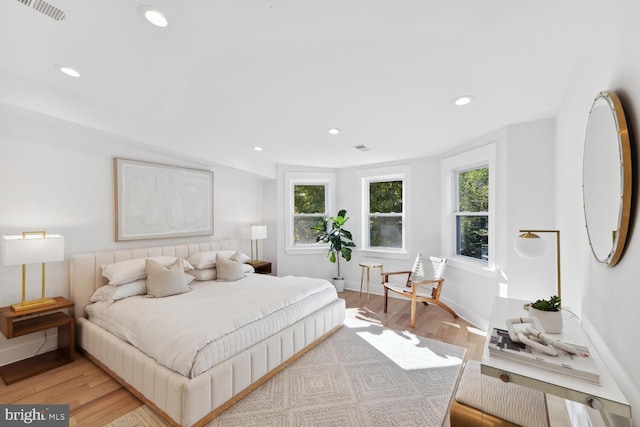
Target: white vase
[
  {"x": 551, "y": 320},
  {"x": 339, "y": 284}
]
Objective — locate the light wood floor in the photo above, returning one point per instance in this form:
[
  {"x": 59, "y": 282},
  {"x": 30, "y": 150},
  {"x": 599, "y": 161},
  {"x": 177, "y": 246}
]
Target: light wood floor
[
  {"x": 95, "y": 399},
  {"x": 431, "y": 321}
]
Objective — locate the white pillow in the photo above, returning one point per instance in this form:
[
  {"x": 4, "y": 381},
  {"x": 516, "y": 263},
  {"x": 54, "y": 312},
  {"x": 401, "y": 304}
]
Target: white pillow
[
  {"x": 163, "y": 281},
  {"x": 239, "y": 256},
  {"x": 134, "y": 269},
  {"x": 228, "y": 269},
  {"x": 207, "y": 259},
  {"x": 206, "y": 274},
  {"x": 212, "y": 273},
  {"x": 111, "y": 293}
]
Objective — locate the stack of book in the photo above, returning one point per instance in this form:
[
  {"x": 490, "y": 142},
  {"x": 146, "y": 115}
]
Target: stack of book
[{"x": 580, "y": 365}]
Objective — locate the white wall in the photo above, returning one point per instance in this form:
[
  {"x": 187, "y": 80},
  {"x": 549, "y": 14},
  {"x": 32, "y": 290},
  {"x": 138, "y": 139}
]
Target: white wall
[
  {"x": 422, "y": 216},
  {"x": 301, "y": 263},
  {"x": 425, "y": 233},
  {"x": 530, "y": 197},
  {"x": 524, "y": 199},
  {"x": 605, "y": 298},
  {"x": 525, "y": 193},
  {"x": 58, "y": 177}
]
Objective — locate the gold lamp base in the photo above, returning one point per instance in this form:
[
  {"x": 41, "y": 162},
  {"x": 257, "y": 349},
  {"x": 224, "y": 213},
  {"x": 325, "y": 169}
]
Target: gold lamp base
[{"x": 27, "y": 305}]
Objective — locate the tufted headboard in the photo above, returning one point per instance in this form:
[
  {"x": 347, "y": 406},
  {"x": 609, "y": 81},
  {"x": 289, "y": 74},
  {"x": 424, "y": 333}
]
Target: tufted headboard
[{"x": 85, "y": 270}]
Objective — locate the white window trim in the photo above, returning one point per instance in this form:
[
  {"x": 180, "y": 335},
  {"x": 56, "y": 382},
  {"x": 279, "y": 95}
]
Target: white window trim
[
  {"x": 481, "y": 156},
  {"x": 306, "y": 178},
  {"x": 390, "y": 173}
]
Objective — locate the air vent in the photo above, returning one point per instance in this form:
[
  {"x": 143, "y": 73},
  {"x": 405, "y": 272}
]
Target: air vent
[
  {"x": 361, "y": 147},
  {"x": 46, "y": 9}
]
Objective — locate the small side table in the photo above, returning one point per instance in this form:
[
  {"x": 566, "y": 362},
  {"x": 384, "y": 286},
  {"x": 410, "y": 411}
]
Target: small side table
[
  {"x": 15, "y": 324},
  {"x": 261, "y": 267},
  {"x": 368, "y": 266}
]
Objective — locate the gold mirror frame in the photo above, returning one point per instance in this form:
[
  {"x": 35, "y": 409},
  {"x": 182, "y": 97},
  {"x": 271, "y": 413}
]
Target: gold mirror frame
[{"x": 601, "y": 183}]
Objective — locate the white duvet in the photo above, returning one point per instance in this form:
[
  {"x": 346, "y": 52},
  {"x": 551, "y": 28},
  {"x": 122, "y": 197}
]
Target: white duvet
[{"x": 192, "y": 332}]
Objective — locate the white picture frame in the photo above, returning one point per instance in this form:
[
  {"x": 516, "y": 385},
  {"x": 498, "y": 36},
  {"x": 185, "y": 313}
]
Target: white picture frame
[{"x": 155, "y": 201}]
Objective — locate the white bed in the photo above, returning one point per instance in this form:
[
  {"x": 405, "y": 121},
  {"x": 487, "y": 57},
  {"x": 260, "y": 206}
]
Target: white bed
[{"x": 182, "y": 400}]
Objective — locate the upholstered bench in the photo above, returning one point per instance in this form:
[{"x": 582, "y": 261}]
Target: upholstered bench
[{"x": 481, "y": 400}]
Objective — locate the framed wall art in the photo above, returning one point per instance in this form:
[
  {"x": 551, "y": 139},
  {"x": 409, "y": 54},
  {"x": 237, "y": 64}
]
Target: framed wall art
[{"x": 154, "y": 201}]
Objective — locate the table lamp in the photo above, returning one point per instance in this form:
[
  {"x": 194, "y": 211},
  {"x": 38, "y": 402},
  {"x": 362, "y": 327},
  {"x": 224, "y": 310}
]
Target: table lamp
[
  {"x": 258, "y": 232},
  {"x": 32, "y": 247}
]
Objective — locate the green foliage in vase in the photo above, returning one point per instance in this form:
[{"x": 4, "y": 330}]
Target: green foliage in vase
[
  {"x": 340, "y": 240},
  {"x": 552, "y": 304}
]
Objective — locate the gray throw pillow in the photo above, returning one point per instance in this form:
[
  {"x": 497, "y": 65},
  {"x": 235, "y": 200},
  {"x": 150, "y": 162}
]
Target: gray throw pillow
[
  {"x": 228, "y": 269},
  {"x": 165, "y": 281}
]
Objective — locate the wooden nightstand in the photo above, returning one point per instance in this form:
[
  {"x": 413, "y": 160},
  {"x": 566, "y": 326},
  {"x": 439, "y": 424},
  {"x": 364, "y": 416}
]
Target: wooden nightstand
[
  {"x": 261, "y": 267},
  {"x": 16, "y": 324}
]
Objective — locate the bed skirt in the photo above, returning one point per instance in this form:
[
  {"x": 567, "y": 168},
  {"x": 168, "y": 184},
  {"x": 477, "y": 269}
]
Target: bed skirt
[{"x": 186, "y": 402}]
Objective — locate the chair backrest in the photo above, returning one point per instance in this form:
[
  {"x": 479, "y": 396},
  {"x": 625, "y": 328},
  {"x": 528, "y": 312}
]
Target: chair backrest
[{"x": 431, "y": 268}]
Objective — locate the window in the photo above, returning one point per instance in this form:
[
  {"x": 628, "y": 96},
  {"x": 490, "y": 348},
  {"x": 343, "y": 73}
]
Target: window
[
  {"x": 468, "y": 205},
  {"x": 385, "y": 214},
  {"x": 472, "y": 213},
  {"x": 308, "y": 200},
  {"x": 384, "y": 222},
  {"x": 309, "y": 209}
]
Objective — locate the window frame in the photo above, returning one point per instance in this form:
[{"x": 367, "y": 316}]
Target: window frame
[
  {"x": 304, "y": 178},
  {"x": 450, "y": 167},
  {"x": 460, "y": 214},
  {"x": 392, "y": 173}
]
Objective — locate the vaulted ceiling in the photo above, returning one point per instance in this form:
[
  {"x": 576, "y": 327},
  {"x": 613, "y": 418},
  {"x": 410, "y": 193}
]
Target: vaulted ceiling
[{"x": 227, "y": 75}]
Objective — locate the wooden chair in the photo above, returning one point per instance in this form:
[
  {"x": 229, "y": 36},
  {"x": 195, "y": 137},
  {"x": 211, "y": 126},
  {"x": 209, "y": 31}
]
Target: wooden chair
[{"x": 424, "y": 284}]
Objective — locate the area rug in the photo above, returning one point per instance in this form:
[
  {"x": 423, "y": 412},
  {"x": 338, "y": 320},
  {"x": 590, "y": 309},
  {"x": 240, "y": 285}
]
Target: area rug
[{"x": 360, "y": 376}]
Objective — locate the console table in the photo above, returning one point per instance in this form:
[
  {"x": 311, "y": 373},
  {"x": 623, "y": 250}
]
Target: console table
[{"x": 606, "y": 396}]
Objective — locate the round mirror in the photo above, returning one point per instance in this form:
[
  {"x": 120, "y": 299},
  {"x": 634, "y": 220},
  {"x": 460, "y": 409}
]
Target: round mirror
[{"x": 606, "y": 178}]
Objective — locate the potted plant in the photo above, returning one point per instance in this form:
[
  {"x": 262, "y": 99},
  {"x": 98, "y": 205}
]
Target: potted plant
[
  {"x": 340, "y": 242},
  {"x": 549, "y": 314}
]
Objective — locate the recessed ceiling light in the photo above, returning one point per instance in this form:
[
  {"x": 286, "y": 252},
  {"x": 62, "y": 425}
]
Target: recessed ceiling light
[
  {"x": 153, "y": 15},
  {"x": 463, "y": 100},
  {"x": 68, "y": 71},
  {"x": 333, "y": 131},
  {"x": 256, "y": 148}
]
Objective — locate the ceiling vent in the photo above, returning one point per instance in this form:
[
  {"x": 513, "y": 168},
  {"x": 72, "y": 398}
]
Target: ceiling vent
[
  {"x": 361, "y": 147},
  {"x": 46, "y": 9}
]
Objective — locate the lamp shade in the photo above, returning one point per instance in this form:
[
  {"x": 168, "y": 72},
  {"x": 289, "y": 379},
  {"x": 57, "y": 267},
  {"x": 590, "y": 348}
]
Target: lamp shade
[
  {"x": 529, "y": 245},
  {"x": 31, "y": 249},
  {"x": 258, "y": 232}
]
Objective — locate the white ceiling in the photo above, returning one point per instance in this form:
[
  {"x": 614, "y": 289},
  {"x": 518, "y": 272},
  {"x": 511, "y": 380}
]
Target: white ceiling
[{"x": 227, "y": 75}]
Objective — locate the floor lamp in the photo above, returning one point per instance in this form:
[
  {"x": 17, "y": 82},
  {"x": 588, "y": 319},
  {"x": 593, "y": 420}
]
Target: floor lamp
[{"x": 529, "y": 245}]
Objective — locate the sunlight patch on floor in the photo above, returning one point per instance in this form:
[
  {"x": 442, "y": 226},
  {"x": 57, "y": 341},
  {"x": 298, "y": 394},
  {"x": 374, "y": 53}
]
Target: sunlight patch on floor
[
  {"x": 476, "y": 331},
  {"x": 405, "y": 349},
  {"x": 362, "y": 314}
]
